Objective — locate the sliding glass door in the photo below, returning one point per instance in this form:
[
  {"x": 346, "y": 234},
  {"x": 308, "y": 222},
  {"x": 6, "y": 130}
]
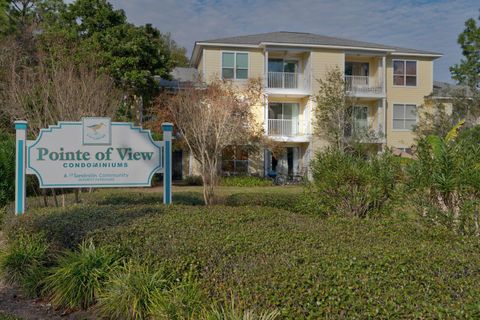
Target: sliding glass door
[{"x": 282, "y": 73}]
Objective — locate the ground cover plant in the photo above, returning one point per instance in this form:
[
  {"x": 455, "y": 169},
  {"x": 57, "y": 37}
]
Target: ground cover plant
[
  {"x": 266, "y": 259},
  {"x": 245, "y": 181}
]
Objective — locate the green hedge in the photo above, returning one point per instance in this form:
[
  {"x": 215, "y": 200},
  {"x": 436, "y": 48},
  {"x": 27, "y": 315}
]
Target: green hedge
[
  {"x": 304, "y": 266},
  {"x": 7, "y": 168},
  {"x": 245, "y": 181},
  {"x": 281, "y": 200}
]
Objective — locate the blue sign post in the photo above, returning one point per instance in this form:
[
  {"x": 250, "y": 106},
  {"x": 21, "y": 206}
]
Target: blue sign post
[
  {"x": 94, "y": 152},
  {"x": 167, "y": 129},
  {"x": 20, "y": 188}
]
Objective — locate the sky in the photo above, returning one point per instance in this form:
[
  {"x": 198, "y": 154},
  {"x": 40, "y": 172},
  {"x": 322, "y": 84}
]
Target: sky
[{"x": 431, "y": 25}]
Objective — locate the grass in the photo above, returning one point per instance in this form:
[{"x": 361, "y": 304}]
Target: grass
[
  {"x": 268, "y": 259},
  {"x": 24, "y": 261},
  {"x": 79, "y": 275}
]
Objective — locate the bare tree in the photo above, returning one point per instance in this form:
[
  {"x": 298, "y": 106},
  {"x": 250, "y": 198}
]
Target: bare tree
[
  {"x": 54, "y": 88},
  {"x": 212, "y": 118}
]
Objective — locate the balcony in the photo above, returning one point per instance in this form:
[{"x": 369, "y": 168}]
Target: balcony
[
  {"x": 282, "y": 127},
  {"x": 287, "y": 130},
  {"x": 284, "y": 80},
  {"x": 363, "y": 86},
  {"x": 293, "y": 83}
]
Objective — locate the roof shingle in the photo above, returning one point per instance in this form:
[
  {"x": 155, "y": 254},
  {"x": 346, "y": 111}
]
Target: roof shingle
[{"x": 302, "y": 38}]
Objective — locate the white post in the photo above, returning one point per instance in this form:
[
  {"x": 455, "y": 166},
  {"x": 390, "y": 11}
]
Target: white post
[
  {"x": 20, "y": 167},
  {"x": 266, "y": 68},
  {"x": 384, "y": 74},
  {"x": 167, "y": 162}
]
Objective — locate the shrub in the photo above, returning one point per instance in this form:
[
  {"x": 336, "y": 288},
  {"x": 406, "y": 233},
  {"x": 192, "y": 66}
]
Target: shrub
[
  {"x": 350, "y": 185},
  {"x": 194, "y": 181},
  {"x": 245, "y": 181},
  {"x": 134, "y": 292},
  {"x": 24, "y": 262},
  {"x": 306, "y": 266},
  {"x": 7, "y": 168},
  {"x": 281, "y": 200},
  {"x": 79, "y": 275},
  {"x": 444, "y": 182}
]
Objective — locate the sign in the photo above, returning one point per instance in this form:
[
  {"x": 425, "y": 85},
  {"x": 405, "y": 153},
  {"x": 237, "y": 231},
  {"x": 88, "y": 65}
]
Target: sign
[{"x": 94, "y": 152}]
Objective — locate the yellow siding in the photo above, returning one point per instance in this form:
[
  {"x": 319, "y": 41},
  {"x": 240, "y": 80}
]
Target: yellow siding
[
  {"x": 323, "y": 61},
  {"x": 213, "y": 62},
  {"x": 200, "y": 68},
  {"x": 256, "y": 64},
  {"x": 406, "y": 95}
]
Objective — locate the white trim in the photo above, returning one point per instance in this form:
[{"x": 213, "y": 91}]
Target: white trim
[
  {"x": 305, "y": 45},
  {"x": 404, "y": 105},
  {"x": 384, "y": 75},
  {"x": 434, "y": 55},
  {"x": 212, "y": 44},
  {"x": 203, "y": 66},
  {"x": 405, "y": 73},
  {"x": 234, "y": 65}
]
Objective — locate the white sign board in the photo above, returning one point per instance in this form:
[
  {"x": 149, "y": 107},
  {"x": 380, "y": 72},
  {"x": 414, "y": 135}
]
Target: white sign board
[{"x": 94, "y": 152}]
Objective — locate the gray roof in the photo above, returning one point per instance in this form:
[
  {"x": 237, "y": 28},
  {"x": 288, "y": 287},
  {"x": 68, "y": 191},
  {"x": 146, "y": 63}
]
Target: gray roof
[
  {"x": 184, "y": 74},
  {"x": 283, "y": 37},
  {"x": 448, "y": 90},
  {"x": 180, "y": 78}
]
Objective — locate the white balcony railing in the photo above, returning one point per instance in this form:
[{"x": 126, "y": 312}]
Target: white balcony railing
[
  {"x": 363, "y": 85},
  {"x": 283, "y": 80},
  {"x": 283, "y": 127}
]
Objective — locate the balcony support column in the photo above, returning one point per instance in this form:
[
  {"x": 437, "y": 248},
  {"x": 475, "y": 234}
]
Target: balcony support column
[
  {"x": 265, "y": 113},
  {"x": 382, "y": 111},
  {"x": 266, "y": 68},
  {"x": 383, "y": 74}
]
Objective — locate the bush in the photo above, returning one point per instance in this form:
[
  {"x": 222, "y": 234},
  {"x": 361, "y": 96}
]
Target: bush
[
  {"x": 134, "y": 292},
  {"x": 7, "y": 168},
  {"x": 194, "y": 181},
  {"x": 245, "y": 181},
  {"x": 302, "y": 265},
  {"x": 79, "y": 275},
  {"x": 282, "y": 200},
  {"x": 25, "y": 261},
  {"x": 306, "y": 266},
  {"x": 349, "y": 185},
  {"x": 444, "y": 182}
]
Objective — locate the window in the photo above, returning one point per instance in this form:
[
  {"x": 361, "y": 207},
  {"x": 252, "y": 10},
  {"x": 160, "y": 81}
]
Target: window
[
  {"x": 406, "y": 150},
  {"x": 282, "y": 73},
  {"x": 235, "y": 160},
  {"x": 404, "y": 116},
  {"x": 234, "y": 65},
  {"x": 405, "y": 73}
]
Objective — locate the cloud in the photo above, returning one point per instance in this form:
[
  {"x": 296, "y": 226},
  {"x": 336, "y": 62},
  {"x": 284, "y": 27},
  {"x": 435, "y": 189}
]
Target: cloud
[{"x": 429, "y": 25}]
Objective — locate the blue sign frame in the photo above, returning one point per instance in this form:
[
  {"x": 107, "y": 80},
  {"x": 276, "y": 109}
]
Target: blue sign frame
[{"x": 24, "y": 167}]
